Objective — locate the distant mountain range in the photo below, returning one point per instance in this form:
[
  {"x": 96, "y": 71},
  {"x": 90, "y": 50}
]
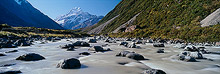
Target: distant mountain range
[
  {"x": 22, "y": 13},
  {"x": 77, "y": 19}
]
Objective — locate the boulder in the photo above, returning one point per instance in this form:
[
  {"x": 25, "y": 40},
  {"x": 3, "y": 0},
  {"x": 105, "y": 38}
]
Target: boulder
[
  {"x": 9, "y": 45},
  {"x": 132, "y": 45},
  {"x": 105, "y": 45},
  {"x": 180, "y": 46},
  {"x": 150, "y": 41},
  {"x": 139, "y": 42},
  {"x": 124, "y": 43},
  {"x": 189, "y": 57},
  {"x": 12, "y": 51},
  {"x": 92, "y": 41},
  {"x": 71, "y": 63},
  {"x": 190, "y": 48},
  {"x": 196, "y": 55},
  {"x": 123, "y": 53},
  {"x": 43, "y": 42},
  {"x": 160, "y": 51},
  {"x": 159, "y": 45},
  {"x": 6, "y": 65},
  {"x": 112, "y": 41},
  {"x": 207, "y": 44},
  {"x": 57, "y": 39},
  {"x": 128, "y": 39},
  {"x": 81, "y": 43},
  {"x": 30, "y": 57},
  {"x": 131, "y": 55},
  {"x": 107, "y": 40},
  {"x": 1, "y": 54},
  {"x": 84, "y": 53},
  {"x": 11, "y": 72},
  {"x": 67, "y": 46},
  {"x": 153, "y": 71},
  {"x": 135, "y": 56},
  {"x": 98, "y": 49},
  {"x": 71, "y": 49},
  {"x": 22, "y": 43}
]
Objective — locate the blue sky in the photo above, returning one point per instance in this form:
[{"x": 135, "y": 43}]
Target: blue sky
[{"x": 54, "y": 8}]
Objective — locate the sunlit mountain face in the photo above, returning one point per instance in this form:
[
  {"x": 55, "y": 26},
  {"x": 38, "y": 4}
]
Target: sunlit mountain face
[{"x": 77, "y": 18}]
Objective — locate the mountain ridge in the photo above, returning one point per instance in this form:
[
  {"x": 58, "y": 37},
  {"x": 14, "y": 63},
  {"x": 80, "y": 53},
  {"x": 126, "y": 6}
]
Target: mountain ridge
[{"x": 25, "y": 15}]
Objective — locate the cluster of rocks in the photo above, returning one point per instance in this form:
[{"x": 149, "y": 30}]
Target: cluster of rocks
[
  {"x": 131, "y": 45},
  {"x": 190, "y": 56},
  {"x": 131, "y": 55},
  {"x": 13, "y": 42},
  {"x": 191, "y": 52},
  {"x": 110, "y": 40},
  {"x": 81, "y": 44},
  {"x": 192, "y": 48},
  {"x": 69, "y": 47}
]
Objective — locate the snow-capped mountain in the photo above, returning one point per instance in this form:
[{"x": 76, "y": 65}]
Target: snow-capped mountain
[
  {"x": 22, "y": 13},
  {"x": 76, "y": 19}
]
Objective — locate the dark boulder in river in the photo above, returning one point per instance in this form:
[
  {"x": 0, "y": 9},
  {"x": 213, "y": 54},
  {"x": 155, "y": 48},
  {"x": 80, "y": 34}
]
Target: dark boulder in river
[
  {"x": 1, "y": 54},
  {"x": 81, "y": 43},
  {"x": 153, "y": 71},
  {"x": 10, "y": 72},
  {"x": 160, "y": 51},
  {"x": 71, "y": 49},
  {"x": 12, "y": 51},
  {"x": 123, "y": 53},
  {"x": 131, "y": 55},
  {"x": 30, "y": 57},
  {"x": 92, "y": 41},
  {"x": 159, "y": 45},
  {"x": 84, "y": 53},
  {"x": 71, "y": 63},
  {"x": 98, "y": 49},
  {"x": 66, "y": 46},
  {"x": 135, "y": 56}
]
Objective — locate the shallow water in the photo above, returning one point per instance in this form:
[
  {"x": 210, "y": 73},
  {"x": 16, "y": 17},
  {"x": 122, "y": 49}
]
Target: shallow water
[{"x": 106, "y": 63}]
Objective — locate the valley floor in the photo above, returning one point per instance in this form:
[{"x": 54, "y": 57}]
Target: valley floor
[{"x": 107, "y": 62}]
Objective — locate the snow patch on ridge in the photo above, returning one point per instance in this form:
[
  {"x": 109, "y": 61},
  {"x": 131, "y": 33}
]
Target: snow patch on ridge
[{"x": 20, "y": 1}]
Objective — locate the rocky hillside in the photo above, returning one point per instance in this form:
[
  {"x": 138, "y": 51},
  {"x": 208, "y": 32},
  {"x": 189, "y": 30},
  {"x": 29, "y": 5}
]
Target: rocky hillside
[
  {"x": 212, "y": 19},
  {"x": 76, "y": 19},
  {"x": 171, "y": 19},
  {"x": 22, "y": 13}
]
